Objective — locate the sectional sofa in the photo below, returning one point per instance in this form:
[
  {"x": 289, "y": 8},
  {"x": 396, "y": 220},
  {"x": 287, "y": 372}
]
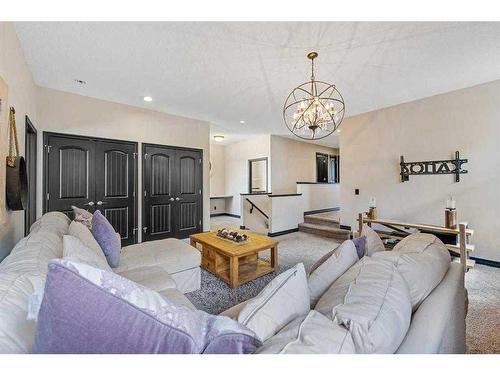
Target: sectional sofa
[{"x": 364, "y": 293}]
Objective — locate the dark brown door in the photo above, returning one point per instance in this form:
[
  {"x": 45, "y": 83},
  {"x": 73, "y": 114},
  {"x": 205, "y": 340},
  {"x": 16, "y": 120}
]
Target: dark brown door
[
  {"x": 30, "y": 152},
  {"x": 92, "y": 173},
  {"x": 70, "y": 178},
  {"x": 114, "y": 190},
  {"x": 172, "y": 198}
]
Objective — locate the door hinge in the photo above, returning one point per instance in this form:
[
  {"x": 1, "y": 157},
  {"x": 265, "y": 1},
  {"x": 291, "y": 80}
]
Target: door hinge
[
  {"x": 48, "y": 148},
  {"x": 48, "y": 196},
  {"x": 200, "y": 192},
  {"x": 133, "y": 194},
  {"x": 145, "y": 155},
  {"x": 145, "y": 193},
  {"x": 199, "y": 222},
  {"x": 200, "y": 161},
  {"x": 134, "y": 154}
]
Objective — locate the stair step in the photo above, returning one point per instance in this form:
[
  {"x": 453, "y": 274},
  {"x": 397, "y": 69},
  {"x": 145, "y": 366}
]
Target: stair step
[
  {"x": 325, "y": 231},
  {"x": 312, "y": 219}
]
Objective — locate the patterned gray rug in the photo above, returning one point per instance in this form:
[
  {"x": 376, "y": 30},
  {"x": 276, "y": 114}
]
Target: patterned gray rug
[{"x": 215, "y": 296}]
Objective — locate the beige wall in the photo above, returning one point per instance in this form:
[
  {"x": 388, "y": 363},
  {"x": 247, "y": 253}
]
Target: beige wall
[
  {"x": 294, "y": 161},
  {"x": 22, "y": 96},
  {"x": 217, "y": 172},
  {"x": 236, "y": 162},
  {"x": 467, "y": 120},
  {"x": 74, "y": 114}
]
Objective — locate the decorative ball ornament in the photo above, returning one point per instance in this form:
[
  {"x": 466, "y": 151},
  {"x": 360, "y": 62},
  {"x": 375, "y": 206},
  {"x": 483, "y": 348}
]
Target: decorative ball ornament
[{"x": 315, "y": 109}]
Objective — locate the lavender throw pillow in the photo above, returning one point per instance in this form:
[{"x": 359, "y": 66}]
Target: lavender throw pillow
[
  {"x": 105, "y": 236},
  {"x": 88, "y": 310},
  {"x": 82, "y": 216},
  {"x": 360, "y": 243}
]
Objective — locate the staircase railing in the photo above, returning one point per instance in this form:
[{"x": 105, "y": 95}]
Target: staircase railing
[{"x": 253, "y": 205}]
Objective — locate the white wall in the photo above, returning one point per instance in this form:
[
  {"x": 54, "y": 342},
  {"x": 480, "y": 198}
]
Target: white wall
[
  {"x": 294, "y": 161},
  {"x": 218, "y": 170},
  {"x": 319, "y": 196},
  {"x": 74, "y": 114},
  {"x": 466, "y": 120},
  {"x": 286, "y": 213},
  {"x": 22, "y": 96},
  {"x": 236, "y": 163}
]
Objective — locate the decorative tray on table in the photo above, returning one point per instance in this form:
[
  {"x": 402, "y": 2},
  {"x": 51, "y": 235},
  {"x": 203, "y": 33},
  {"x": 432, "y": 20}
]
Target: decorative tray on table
[{"x": 232, "y": 236}]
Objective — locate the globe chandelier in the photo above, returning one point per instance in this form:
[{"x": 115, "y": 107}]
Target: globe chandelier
[{"x": 315, "y": 109}]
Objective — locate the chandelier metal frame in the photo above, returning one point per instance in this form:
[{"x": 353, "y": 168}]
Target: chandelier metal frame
[{"x": 313, "y": 98}]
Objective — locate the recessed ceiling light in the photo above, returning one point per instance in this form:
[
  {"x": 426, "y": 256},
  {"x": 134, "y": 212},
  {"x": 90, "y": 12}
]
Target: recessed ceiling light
[
  {"x": 242, "y": 121},
  {"x": 80, "y": 82},
  {"x": 148, "y": 99},
  {"x": 218, "y": 138}
]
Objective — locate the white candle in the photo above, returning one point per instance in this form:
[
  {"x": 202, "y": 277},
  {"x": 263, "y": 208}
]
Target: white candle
[{"x": 373, "y": 202}]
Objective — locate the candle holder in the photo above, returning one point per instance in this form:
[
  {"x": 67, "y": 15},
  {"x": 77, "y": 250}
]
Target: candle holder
[{"x": 450, "y": 214}]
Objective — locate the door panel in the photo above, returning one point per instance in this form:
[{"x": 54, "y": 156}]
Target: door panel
[
  {"x": 158, "y": 198},
  {"x": 93, "y": 173},
  {"x": 114, "y": 173},
  {"x": 172, "y": 192},
  {"x": 70, "y": 174},
  {"x": 189, "y": 192}
]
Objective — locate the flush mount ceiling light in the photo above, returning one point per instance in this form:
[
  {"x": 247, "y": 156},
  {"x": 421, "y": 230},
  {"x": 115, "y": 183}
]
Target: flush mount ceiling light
[
  {"x": 242, "y": 121},
  {"x": 148, "y": 99},
  {"x": 218, "y": 138},
  {"x": 315, "y": 109}
]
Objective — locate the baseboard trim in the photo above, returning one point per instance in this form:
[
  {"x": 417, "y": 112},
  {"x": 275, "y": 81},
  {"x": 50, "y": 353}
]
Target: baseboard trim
[
  {"x": 275, "y": 234},
  {"x": 225, "y": 214},
  {"x": 486, "y": 262},
  {"x": 322, "y": 210}
]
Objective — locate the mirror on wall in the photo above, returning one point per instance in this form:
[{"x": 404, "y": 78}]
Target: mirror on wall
[{"x": 257, "y": 175}]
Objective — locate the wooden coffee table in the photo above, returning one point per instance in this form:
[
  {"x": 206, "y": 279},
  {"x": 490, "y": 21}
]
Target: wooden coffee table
[{"x": 234, "y": 263}]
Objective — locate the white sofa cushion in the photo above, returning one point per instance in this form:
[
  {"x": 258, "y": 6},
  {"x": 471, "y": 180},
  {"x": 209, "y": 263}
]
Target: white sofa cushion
[
  {"x": 152, "y": 277},
  {"x": 332, "y": 268},
  {"x": 16, "y": 332},
  {"x": 373, "y": 242},
  {"x": 32, "y": 254},
  {"x": 373, "y": 304},
  {"x": 423, "y": 260},
  {"x": 313, "y": 334},
  {"x": 75, "y": 250},
  {"x": 80, "y": 231},
  {"x": 171, "y": 254},
  {"x": 53, "y": 222},
  {"x": 284, "y": 299}
]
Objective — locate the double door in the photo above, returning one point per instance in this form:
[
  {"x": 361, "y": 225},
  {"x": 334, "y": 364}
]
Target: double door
[
  {"x": 92, "y": 173},
  {"x": 172, "y": 197}
]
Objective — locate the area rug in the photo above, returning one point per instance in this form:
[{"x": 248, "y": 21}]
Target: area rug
[{"x": 215, "y": 296}]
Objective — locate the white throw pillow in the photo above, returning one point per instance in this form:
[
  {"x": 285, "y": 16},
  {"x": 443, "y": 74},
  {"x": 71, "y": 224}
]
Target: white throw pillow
[
  {"x": 331, "y": 269},
  {"x": 373, "y": 242},
  {"x": 422, "y": 260},
  {"x": 375, "y": 308},
  {"x": 75, "y": 250},
  {"x": 284, "y": 299},
  {"x": 80, "y": 231},
  {"x": 313, "y": 334}
]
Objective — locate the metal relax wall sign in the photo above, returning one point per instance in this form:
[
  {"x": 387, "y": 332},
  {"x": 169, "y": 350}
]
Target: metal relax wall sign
[{"x": 453, "y": 166}]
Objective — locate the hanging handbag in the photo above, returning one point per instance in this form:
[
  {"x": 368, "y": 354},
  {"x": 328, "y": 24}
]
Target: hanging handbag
[{"x": 16, "y": 177}]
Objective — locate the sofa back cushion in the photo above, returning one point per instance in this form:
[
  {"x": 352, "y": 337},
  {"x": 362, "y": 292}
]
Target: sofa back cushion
[
  {"x": 284, "y": 299},
  {"x": 312, "y": 334},
  {"x": 88, "y": 310},
  {"x": 16, "y": 332},
  {"x": 332, "y": 267},
  {"x": 372, "y": 301},
  {"x": 422, "y": 260},
  {"x": 373, "y": 243},
  {"x": 31, "y": 254},
  {"x": 53, "y": 222}
]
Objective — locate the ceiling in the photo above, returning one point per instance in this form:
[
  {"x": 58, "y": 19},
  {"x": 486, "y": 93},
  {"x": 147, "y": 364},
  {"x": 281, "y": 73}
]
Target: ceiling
[{"x": 231, "y": 71}]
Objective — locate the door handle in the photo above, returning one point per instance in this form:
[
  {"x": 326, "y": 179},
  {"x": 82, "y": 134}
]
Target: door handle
[
  {"x": 89, "y": 204},
  {"x": 178, "y": 199},
  {"x": 171, "y": 199},
  {"x": 100, "y": 203}
]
